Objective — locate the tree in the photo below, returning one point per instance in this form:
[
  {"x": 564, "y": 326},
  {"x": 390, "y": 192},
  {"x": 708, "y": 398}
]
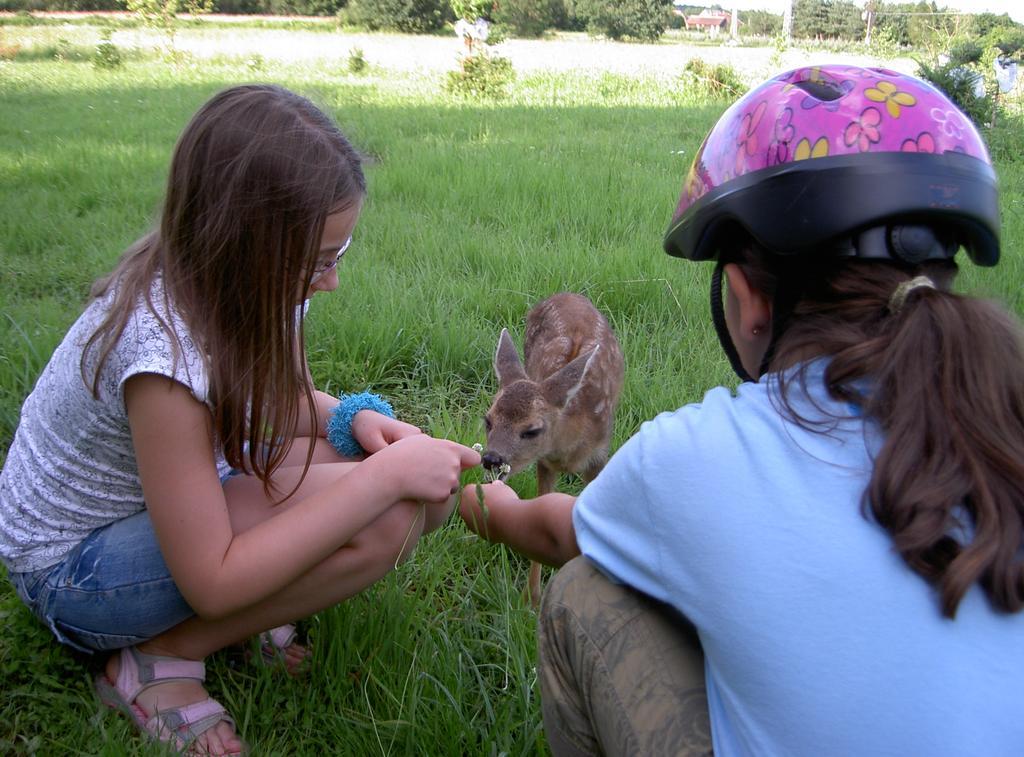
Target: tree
[
  {"x": 643, "y": 20},
  {"x": 410, "y": 16},
  {"x": 892, "y": 23},
  {"x": 998, "y": 31},
  {"x": 163, "y": 14},
  {"x": 527, "y": 18},
  {"x": 827, "y": 19},
  {"x": 762, "y": 23}
]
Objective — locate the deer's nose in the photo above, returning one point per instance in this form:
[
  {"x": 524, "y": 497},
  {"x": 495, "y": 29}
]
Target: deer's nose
[{"x": 491, "y": 460}]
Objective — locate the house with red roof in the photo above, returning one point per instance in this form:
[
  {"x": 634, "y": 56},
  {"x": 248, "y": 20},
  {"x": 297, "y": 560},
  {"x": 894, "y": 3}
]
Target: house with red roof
[{"x": 710, "y": 21}]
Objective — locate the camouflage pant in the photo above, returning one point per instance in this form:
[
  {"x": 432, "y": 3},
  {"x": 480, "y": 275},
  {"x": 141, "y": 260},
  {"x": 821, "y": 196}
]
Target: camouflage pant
[{"x": 620, "y": 674}]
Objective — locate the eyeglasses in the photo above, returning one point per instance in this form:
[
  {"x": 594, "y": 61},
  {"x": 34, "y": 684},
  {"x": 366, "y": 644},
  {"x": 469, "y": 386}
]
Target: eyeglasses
[{"x": 322, "y": 270}]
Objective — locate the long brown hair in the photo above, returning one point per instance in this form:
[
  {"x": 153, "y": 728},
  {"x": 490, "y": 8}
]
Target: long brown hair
[
  {"x": 945, "y": 375},
  {"x": 254, "y": 176}
]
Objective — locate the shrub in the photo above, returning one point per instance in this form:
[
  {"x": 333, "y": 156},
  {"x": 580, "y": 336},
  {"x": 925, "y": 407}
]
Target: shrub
[
  {"x": 410, "y": 16},
  {"x": 107, "y": 55},
  {"x": 643, "y": 20},
  {"x": 716, "y": 81},
  {"x": 527, "y": 18},
  {"x": 967, "y": 51},
  {"x": 61, "y": 49},
  {"x": 962, "y": 85},
  {"x": 481, "y": 75},
  {"x": 357, "y": 62},
  {"x": 1009, "y": 41}
]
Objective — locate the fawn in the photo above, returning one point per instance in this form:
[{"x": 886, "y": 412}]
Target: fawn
[{"x": 558, "y": 411}]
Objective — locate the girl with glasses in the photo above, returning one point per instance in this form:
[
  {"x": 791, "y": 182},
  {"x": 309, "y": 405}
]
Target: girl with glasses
[{"x": 176, "y": 484}]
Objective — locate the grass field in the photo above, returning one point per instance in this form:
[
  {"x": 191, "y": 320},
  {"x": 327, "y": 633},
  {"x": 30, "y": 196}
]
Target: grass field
[{"x": 475, "y": 212}]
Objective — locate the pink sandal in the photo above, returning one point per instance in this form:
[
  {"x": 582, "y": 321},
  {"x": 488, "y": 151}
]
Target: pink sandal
[
  {"x": 275, "y": 641},
  {"x": 179, "y": 726},
  {"x": 273, "y": 644}
]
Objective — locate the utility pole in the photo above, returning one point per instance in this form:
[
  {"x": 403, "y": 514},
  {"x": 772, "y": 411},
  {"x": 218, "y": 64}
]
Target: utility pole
[
  {"x": 734, "y": 21},
  {"x": 787, "y": 20},
  {"x": 869, "y": 20}
]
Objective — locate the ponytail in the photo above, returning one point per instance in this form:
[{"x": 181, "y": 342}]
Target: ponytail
[
  {"x": 946, "y": 378},
  {"x": 949, "y": 397}
]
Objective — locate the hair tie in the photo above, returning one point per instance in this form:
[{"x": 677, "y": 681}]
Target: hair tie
[
  {"x": 900, "y": 295},
  {"x": 339, "y": 424}
]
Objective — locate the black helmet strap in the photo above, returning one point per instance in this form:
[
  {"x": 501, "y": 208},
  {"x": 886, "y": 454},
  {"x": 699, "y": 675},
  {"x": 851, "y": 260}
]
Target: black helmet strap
[
  {"x": 718, "y": 317},
  {"x": 783, "y": 302}
]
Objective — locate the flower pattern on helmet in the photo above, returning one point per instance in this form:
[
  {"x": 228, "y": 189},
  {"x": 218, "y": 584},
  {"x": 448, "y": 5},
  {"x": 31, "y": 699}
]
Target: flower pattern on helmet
[
  {"x": 864, "y": 131},
  {"x": 747, "y": 140},
  {"x": 924, "y": 142},
  {"x": 784, "y": 130},
  {"x": 886, "y": 92},
  {"x": 778, "y": 150},
  {"x": 950, "y": 122},
  {"x": 825, "y": 112},
  {"x": 805, "y": 150}
]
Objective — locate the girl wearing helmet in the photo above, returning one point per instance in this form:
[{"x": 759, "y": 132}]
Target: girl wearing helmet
[{"x": 845, "y": 533}]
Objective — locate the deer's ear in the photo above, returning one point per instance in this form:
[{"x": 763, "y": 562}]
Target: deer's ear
[
  {"x": 560, "y": 387},
  {"x": 507, "y": 365}
]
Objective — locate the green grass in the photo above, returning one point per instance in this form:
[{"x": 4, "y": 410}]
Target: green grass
[{"x": 475, "y": 212}]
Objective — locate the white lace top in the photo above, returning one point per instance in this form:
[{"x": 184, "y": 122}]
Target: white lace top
[{"x": 71, "y": 467}]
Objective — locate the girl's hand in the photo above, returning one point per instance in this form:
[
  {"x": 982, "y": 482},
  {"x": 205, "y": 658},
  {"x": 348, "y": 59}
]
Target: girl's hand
[
  {"x": 497, "y": 495},
  {"x": 424, "y": 468},
  {"x": 374, "y": 431},
  {"x": 540, "y": 528}
]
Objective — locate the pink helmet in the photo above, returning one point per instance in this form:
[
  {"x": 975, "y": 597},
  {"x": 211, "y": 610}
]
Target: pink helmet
[{"x": 856, "y": 161}]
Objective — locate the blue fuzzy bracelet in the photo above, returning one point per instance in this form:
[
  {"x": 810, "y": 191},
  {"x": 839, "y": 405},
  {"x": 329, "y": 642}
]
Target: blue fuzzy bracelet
[{"x": 339, "y": 425}]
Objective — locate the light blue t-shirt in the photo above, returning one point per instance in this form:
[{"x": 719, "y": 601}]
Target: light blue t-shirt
[{"x": 818, "y": 639}]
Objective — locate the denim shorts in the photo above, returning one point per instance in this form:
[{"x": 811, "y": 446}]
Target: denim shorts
[{"x": 113, "y": 590}]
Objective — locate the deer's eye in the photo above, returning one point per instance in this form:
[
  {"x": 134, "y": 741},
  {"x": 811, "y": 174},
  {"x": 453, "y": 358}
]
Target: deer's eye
[
  {"x": 487, "y": 423},
  {"x": 531, "y": 433}
]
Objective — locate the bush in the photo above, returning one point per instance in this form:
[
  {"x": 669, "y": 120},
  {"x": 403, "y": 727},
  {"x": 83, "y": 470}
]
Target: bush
[
  {"x": 107, "y": 55},
  {"x": 1008, "y": 41},
  {"x": 410, "y": 16},
  {"x": 717, "y": 81},
  {"x": 643, "y": 20},
  {"x": 964, "y": 52},
  {"x": 357, "y": 63},
  {"x": 481, "y": 75},
  {"x": 527, "y": 18},
  {"x": 963, "y": 86}
]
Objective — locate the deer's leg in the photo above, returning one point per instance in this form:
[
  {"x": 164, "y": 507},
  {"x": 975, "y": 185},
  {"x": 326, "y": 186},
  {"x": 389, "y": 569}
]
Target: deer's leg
[
  {"x": 596, "y": 465},
  {"x": 546, "y": 477}
]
